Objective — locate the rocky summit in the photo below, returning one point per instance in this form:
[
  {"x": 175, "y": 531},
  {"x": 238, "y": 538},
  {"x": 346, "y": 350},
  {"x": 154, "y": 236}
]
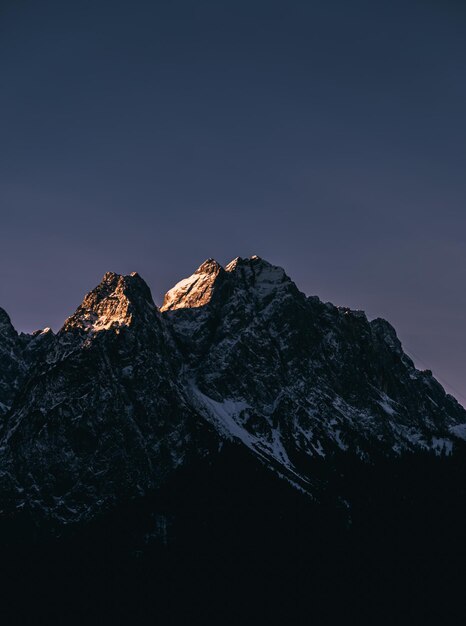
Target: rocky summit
[{"x": 126, "y": 395}]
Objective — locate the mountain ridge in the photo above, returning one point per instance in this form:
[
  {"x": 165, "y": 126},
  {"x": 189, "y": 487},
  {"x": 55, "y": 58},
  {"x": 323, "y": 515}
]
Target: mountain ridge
[{"x": 126, "y": 393}]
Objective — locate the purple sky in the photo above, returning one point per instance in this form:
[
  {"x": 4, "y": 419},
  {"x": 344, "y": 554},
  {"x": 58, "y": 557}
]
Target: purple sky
[{"x": 328, "y": 137}]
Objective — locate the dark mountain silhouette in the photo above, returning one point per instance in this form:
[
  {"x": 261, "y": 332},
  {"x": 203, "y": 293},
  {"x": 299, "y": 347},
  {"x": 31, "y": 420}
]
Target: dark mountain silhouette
[{"x": 245, "y": 453}]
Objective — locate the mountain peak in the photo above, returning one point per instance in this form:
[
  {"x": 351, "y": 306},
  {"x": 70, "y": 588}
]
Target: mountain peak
[
  {"x": 253, "y": 261},
  {"x": 240, "y": 261},
  {"x": 260, "y": 275},
  {"x": 241, "y": 273},
  {"x": 209, "y": 266},
  {"x": 112, "y": 303},
  {"x": 6, "y": 327},
  {"x": 196, "y": 290}
]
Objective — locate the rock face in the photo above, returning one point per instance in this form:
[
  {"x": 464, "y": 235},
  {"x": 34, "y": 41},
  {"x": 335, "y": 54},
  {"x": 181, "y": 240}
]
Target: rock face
[
  {"x": 12, "y": 367},
  {"x": 125, "y": 393},
  {"x": 196, "y": 290}
]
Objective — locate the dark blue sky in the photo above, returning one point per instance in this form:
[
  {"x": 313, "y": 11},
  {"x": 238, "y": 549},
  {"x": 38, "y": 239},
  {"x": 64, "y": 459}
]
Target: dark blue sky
[{"x": 326, "y": 136}]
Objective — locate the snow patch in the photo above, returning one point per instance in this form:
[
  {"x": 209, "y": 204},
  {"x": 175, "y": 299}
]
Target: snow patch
[
  {"x": 386, "y": 404},
  {"x": 441, "y": 445},
  {"x": 225, "y": 416},
  {"x": 459, "y": 431}
]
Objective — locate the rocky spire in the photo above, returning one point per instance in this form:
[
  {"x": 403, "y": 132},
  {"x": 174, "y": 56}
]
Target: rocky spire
[
  {"x": 196, "y": 290},
  {"x": 12, "y": 367},
  {"x": 6, "y": 327},
  {"x": 113, "y": 303},
  {"x": 252, "y": 276},
  {"x": 258, "y": 275}
]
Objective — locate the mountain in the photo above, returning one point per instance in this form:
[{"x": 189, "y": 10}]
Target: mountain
[
  {"x": 245, "y": 453},
  {"x": 291, "y": 376},
  {"x": 101, "y": 414},
  {"x": 125, "y": 393}
]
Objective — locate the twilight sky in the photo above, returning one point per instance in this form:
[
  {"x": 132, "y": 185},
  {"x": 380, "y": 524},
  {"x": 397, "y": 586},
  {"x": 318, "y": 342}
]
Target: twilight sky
[{"x": 327, "y": 136}]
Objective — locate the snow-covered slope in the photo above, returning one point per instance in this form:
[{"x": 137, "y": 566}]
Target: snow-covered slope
[{"x": 125, "y": 394}]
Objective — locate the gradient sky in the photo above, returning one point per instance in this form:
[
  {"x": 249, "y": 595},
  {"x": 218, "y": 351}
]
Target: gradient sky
[{"x": 327, "y": 136}]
